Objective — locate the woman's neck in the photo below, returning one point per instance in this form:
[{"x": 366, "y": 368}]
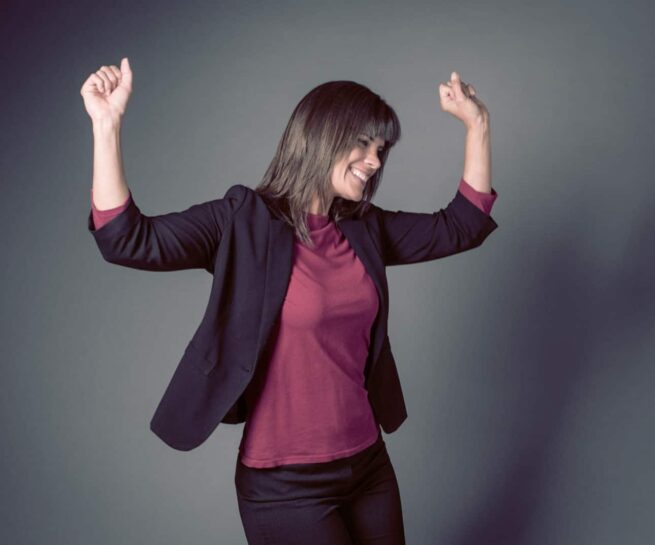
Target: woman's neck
[{"x": 315, "y": 207}]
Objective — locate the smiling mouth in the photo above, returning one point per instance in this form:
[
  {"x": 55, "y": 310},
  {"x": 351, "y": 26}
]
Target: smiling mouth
[
  {"x": 361, "y": 183},
  {"x": 356, "y": 177}
]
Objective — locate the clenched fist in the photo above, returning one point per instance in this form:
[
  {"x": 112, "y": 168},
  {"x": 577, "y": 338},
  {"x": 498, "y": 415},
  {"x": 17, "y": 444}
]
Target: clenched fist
[
  {"x": 107, "y": 91},
  {"x": 458, "y": 99}
]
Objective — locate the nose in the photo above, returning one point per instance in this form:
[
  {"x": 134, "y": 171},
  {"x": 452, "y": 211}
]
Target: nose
[{"x": 372, "y": 159}]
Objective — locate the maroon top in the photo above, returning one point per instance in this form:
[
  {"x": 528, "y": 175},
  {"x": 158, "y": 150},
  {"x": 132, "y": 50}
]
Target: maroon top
[{"x": 308, "y": 403}]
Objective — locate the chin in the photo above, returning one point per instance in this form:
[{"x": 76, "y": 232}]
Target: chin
[
  {"x": 352, "y": 198},
  {"x": 356, "y": 195},
  {"x": 351, "y": 195}
]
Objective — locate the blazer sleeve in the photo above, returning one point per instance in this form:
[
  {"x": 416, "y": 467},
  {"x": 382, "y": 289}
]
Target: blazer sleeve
[
  {"x": 414, "y": 237},
  {"x": 168, "y": 242}
]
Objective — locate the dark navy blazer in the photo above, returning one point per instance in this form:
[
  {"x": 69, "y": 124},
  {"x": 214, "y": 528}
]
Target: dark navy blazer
[{"x": 250, "y": 254}]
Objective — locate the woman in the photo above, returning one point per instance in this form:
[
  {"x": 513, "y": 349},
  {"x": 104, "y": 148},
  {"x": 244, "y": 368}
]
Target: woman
[{"x": 312, "y": 465}]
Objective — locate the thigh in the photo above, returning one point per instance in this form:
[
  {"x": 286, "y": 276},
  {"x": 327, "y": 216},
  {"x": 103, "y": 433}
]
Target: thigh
[
  {"x": 295, "y": 505},
  {"x": 292, "y": 523},
  {"x": 373, "y": 513}
]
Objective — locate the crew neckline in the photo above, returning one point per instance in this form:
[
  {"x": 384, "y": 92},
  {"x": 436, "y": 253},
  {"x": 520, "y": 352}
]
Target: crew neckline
[{"x": 317, "y": 221}]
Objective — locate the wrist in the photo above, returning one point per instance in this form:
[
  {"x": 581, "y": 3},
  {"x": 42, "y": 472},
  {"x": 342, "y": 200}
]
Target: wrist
[
  {"x": 106, "y": 126},
  {"x": 479, "y": 124}
]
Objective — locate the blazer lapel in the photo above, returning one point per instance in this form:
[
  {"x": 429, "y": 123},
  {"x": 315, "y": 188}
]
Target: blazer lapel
[
  {"x": 361, "y": 242},
  {"x": 279, "y": 260}
]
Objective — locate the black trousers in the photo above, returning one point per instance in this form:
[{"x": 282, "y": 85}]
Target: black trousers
[{"x": 350, "y": 501}]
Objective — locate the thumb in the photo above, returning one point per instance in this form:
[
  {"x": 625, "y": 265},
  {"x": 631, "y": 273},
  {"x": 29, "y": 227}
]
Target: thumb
[
  {"x": 457, "y": 85},
  {"x": 126, "y": 72}
]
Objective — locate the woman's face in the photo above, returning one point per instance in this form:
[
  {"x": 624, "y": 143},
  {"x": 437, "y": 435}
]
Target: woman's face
[{"x": 362, "y": 162}]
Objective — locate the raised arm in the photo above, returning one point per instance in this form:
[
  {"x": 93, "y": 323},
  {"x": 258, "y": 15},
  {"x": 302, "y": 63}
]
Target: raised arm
[
  {"x": 106, "y": 93},
  {"x": 167, "y": 242},
  {"x": 413, "y": 237}
]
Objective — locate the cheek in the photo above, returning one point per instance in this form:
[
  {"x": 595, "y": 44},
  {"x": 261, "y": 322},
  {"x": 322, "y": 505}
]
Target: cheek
[{"x": 339, "y": 173}]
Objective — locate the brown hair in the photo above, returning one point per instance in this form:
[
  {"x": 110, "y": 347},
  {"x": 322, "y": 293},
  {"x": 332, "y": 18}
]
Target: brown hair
[{"x": 323, "y": 129}]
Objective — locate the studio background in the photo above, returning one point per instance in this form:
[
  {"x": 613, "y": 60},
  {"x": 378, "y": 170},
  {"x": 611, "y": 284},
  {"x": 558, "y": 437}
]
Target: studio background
[{"x": 527, "y": 363}]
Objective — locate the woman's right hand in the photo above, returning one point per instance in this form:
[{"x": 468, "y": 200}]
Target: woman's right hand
[{"x": 107, "y": 91}]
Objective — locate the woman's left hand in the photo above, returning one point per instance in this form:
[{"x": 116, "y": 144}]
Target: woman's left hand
[{"x": 459, "y": 100}]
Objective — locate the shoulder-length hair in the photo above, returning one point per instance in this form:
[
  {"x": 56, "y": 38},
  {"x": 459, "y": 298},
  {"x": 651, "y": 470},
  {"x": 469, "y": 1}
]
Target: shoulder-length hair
[{"x": 323, "y": 129}]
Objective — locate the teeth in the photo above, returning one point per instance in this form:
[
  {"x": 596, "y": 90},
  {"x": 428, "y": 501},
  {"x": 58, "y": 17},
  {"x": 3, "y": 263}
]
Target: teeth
[{"x": 359, "y": 174}]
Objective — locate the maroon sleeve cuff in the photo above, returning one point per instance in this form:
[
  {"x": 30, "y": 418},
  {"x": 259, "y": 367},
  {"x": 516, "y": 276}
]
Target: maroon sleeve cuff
[
  {"x": 484, "y": 201},
  {"x": 102, "y": 217}
]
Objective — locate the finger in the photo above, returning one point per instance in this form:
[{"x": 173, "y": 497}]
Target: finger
[
  {"x": 116, "y": 71},
  {"x": 466, "y": 89},
  {"x": 111, "y": 76},
  {"x": 445, "y": 91},
  {"x": 98, "y": 82},
  {"x": 105, "y": 80}
]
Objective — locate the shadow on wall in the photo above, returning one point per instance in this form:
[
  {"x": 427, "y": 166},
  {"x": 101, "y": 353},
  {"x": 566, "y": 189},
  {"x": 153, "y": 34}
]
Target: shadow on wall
[{"x": 578, "y": 308}]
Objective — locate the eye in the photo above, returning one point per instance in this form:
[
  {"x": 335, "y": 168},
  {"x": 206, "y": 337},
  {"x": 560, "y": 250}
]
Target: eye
[{"x": 365, "y": 142}]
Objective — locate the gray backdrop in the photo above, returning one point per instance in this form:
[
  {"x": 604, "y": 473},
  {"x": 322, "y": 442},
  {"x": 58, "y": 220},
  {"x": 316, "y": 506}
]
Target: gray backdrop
[{"x": 527, "y": 364}]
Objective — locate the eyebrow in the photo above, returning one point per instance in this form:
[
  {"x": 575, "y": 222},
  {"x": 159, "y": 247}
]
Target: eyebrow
[{"x": 371, "y": 138}]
